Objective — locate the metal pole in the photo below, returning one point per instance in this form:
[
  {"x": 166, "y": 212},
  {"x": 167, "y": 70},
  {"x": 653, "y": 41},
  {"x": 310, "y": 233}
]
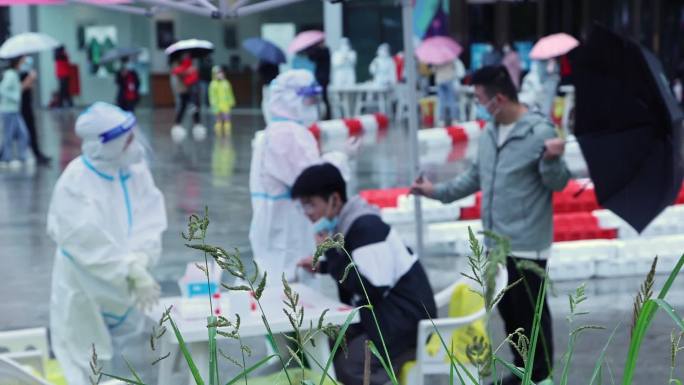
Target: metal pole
[
  {"x": 411, "y": 81},
  {"x": 185, "y": 7},
  {"x": 119, "y": 8},
  {"x": 207, "y": 4},
  {"x": 263, "y": 6}
]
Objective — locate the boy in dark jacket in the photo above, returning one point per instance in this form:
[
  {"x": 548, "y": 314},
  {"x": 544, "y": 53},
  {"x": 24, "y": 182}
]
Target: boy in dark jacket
[{"x": 394, "y": 279}]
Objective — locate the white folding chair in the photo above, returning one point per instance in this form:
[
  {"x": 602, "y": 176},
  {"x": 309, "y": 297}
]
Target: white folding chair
[
  {"x": 26, "y": 347},
  {"x": 427, "y": 364}
]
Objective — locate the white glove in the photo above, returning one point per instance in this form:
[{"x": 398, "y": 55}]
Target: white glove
[{"x": 146, "y": 290}]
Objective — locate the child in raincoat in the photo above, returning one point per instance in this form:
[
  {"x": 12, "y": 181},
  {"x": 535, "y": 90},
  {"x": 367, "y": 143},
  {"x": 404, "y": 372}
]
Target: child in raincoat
[{"x": 222, "y": 100}]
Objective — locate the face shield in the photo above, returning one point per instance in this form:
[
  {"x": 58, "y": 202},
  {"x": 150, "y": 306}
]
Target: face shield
[{"x": 110, "y": 136}]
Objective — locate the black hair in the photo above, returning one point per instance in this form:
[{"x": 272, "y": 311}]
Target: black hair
[
  {"x": 495, "y": 80},
  {"x": 321, "y": 180},
  {"x": 14, "y": 62}
]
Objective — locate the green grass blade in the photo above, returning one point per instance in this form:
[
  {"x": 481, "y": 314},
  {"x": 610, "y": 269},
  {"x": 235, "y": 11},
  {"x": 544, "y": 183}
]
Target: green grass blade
[
  {"x": 567, "y": 359},
  {"x": 527, "y": 379},
  {"x": 451, "y": 367},
  {"x": 670, "y": 311},
  {"x": 452, "y": 357},
  {"x": 377, "y": 355},
  {"x": 186, "y": 354},
  {"x": 126, "y": 380},
  {"x": 130, "y": 367},
  {"x": 512, "y": 368},
  {"x": 338, "y": 341},
  {"x": 642, "y": 324},
  {"x": 675, "y": 382},
  {"x": 671, "y": 278},
  {"x": 599, "y": 362},
  {"x": 252, "y": 368},
  {"x": 213, "y": 356}
]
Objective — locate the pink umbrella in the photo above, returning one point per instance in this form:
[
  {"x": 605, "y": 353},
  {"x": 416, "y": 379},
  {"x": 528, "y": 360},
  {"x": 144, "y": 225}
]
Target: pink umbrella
[
  {"x": 35, "y": 2},
  {"x": 305, "y": 39},
  {"x": 438, "y": 50},
  {"x": 552, "y": 46},
  {"x": 109, "y": 1}
]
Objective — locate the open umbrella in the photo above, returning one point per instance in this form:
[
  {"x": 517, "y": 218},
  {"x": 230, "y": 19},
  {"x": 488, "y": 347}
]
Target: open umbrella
[
  {"x": 26, "y": 44},
  {"x": 438, "y": 50},
  {"x": 264, "y": 50},
  {"x": 304, "y": 40},
  {"x": 119, "y": 53},
  {"x": 629, "y": 127},
  {"x": 549, "y": 47},
  {"x": 196, "y": 47}
]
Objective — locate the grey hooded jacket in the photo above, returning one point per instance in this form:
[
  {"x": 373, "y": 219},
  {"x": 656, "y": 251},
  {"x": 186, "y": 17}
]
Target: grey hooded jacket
[{"x": 516, "y": 183}]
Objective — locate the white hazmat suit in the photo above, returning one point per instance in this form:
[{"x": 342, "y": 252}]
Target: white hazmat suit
[
  {"x": 344, "y": 65},
  {"x": 107, "y": 217},
  {"x": 280, "y": 234},
  {"x": 382, "y": 67},
  {"x": 538, "y": 88}
]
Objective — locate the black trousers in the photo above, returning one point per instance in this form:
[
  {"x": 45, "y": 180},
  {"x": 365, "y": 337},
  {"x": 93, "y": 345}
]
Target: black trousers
[
  {"x": 64, "y": 95},
  {"x": 326, "y": 102},
  {"x": 517, "y": 310},
  {"x": 191, "y": 96},
  {"x": 29, "y": 119},
  {"x": 349, "y": 369}
]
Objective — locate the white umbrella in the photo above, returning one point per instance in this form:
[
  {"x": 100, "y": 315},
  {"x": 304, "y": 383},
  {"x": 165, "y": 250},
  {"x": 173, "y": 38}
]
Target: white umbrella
[
  {"x": 26, "y": 44},
  {"x": 194, "y": 45}
]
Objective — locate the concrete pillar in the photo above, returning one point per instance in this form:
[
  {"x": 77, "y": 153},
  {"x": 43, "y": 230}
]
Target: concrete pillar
[
  {"x": 20, "y": 19},
  {"x": 332, "y": 22}
]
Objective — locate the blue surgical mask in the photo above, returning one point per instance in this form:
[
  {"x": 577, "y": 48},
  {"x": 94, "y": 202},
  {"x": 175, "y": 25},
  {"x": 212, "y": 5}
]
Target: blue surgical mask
[
  {"x": 482, "y": 113},
  {"x": 27, "y": 65},
  {"x": 325, "y": 225}
]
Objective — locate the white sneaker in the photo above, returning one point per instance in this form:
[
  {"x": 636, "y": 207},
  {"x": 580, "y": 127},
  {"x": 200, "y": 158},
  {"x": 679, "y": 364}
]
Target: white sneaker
[
  {"x": 199, "y": 132},
  {"x": 178, "y": 133},
  {"x": 15, "y": 164}
]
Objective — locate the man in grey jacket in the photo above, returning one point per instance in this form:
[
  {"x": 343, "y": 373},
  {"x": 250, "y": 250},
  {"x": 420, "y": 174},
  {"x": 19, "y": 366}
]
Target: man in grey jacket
[{"x": 519, "y": 164}]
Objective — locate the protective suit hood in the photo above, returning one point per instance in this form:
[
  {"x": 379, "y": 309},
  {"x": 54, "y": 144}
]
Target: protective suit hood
[
  {"x": 106, "y": 132},
  {"x": 289, "y": 94}
]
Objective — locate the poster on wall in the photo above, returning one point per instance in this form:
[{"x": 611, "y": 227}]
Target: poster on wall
[{"x": 98, "y": 40}]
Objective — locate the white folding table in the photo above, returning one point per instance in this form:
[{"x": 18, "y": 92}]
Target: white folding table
[{"x": 195, "y": 332}]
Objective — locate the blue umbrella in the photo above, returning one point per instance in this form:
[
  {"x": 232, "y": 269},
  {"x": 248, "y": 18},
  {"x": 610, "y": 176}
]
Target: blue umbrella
[{"x": 264, "y": 50}]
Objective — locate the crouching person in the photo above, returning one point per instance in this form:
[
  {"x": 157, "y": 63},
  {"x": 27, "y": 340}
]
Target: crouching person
[{"x": 394, "y": 279}]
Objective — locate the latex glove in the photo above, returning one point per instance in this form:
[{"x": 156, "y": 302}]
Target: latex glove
[
  {"x": 142, "y": 258},
  {"x": 146, "y": 290}
]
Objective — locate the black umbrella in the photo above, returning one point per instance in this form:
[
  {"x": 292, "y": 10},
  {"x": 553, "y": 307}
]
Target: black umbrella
[{"x": 628, "y": 125}]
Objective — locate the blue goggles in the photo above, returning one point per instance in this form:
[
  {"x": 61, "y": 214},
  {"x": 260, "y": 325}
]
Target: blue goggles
[
  {"x": 119, "y": 130},
  {"x": 310, "y": 91}
]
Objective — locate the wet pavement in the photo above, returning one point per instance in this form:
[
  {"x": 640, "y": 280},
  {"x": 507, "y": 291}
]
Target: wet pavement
[{"x": 215, "y": 173}]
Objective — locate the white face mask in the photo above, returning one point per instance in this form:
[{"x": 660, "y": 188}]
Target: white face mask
[
  {"x": 308, "y": 114},
  {"x": 133, "y": 154}
]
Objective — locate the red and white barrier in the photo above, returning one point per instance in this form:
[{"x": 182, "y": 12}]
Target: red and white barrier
[
  {"x": 344, "y": 128},
  {"x": 588, "y": 241}
]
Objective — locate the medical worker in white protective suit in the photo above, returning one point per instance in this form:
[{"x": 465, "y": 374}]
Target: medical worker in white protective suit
[
  {"x": 280, "y": 233},
  {"x": 107, "y": 217},
  {"x": 539, "y": 86}
]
